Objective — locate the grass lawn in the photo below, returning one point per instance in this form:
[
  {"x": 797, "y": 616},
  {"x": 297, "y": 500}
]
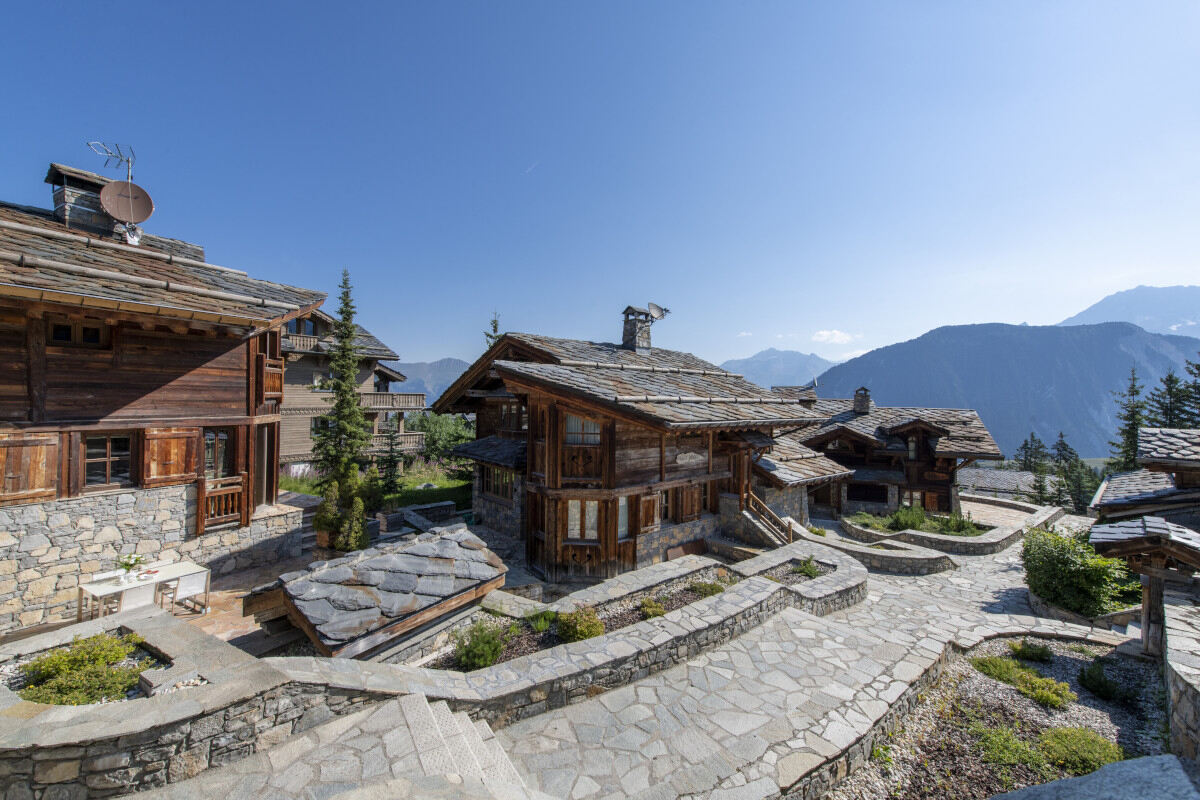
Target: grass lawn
[
  {"x": 916, "y": 519},
  {"x": 448, "y": 487}
]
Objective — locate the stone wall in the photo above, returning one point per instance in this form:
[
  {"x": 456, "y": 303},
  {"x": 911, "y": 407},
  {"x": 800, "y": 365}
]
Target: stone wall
[
  {"x": 854, "y": 506},
  {"x": 505, "y": 516},
  {"x": 652, "y": 546},
  {"x": 47, "y": 549},
  {"x": 790, "y": 502},
  {"x": 1181, "y": 671}
]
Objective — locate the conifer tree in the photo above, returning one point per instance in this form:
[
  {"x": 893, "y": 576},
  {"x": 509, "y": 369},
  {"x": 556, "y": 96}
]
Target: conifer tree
[
  {"x": 1191, "y": 413},
  {"x": 390, "y": 459},
  {"x": 1064, "y": 455},
  {"x": 492, "y": 334},
  {"x": 1131, "y": 413},
  {"x": 1031, "y": 454},
  {"x": 1167, "y": 406}
]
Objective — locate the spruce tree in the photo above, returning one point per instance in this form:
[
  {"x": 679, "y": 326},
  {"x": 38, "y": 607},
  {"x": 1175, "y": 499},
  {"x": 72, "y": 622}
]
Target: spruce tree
[
  {"x": 1032, "y": 454},
  {"x": 390, "y": 459},
  {"x": 1131, "y": 413},
  {"x": 1191, "y": 413},
  {"x": 1168, "y": 405},
  {"x": 1063, "y": 454},
  {"x": 492, "y": 334}
]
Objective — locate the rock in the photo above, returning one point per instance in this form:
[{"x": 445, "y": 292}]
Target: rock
[{"x": 1136, "y": 779}]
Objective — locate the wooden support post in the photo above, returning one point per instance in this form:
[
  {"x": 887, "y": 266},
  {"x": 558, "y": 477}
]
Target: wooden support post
[
  {"x": 35, "y": 354},
  {"x": 1153, "y": 616}
]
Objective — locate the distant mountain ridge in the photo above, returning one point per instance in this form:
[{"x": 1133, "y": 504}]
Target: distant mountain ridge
[
  {"x": 1019, "y": 378},
  {"x": 1158, "y": 309},
  {"x": 430, "y": 377},
  {"x": 773, "y": 367}
]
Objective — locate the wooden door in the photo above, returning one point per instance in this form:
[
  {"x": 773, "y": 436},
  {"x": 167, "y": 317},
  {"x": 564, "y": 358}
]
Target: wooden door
[{"x": 28, "y": 468}]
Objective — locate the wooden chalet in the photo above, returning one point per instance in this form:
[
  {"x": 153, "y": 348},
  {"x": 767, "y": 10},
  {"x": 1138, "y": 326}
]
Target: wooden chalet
[
  {"x": 897, "y": 455},
  {"x": 307, "y": 345},
  {"x": 126, "y": 369},
  {"x": 1167, "y": 486},
  {"x": 603, "y": 457}
]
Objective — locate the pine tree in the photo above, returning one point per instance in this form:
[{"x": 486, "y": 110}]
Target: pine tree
[
  {"x": 1191, "y": 415},
  {"x": 390, "y": 459},
  {"x": 492, "y": 334},
  {"x": 341, "y": 440},
  {"x": 1131, "y": 412},
  {"x": 1063, "y": 454},
  {"x": 1040, "y": 493},
  {"x": 1167, "y": 406},
  {"x": 1032, "y": 454}
]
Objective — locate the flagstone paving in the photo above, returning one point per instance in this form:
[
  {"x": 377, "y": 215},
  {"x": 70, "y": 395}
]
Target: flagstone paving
[{"x": 749, "y": 718}]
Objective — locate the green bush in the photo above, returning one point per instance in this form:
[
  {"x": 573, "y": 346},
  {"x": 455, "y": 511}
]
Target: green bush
[
  {"x": 652, "y": 608},
  {"x": 1027, "y": 651},
  {"x": 1079, "y": 750},
  {"x": 479, "y": 646},
  {"x": 372, "y": 491},
  {"x": 1069, "y": 574},
  {"x": 906, "y": 518},
  {"x": 705, "y": 588},
  {"x": 1093, "y": 679},
  {"x": 541, "y": 621},
  {"x": 84, "y": 672},
  {"x": 583, "y": 623},
  {"x": 1044, "y": 691},
  {"x": 864, "y": 520},
  {"x": 807, "y": 568},
  {"x": 1002, "y": 747},
  {"x": 353, "y": 534},
  {"x": 957, "y": 525},
  {"x": 328, "y": 516},
  {"x": 816, "y": 530}
]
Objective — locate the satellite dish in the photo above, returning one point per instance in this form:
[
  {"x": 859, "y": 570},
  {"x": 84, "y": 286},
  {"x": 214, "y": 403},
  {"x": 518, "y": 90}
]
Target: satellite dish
[
  {"x": 657, "y": 311},
  {"x": 126, "y": 201}
]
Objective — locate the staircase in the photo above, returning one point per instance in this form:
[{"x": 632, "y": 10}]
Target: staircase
[
  {"x": 394, "y": 746},
  {"x": 774, "y": 530}
]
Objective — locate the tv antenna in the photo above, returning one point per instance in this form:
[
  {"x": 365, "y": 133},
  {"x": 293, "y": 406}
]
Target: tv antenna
[
  {"x": 124, "y": 201},
  {"x": 656, "y": 311}
]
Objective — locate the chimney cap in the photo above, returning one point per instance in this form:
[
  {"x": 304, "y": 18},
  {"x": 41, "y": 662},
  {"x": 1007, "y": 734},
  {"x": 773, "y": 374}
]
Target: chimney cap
[
  {"x": 60, "y": 174},
  {"x": 632, "y": 310}
]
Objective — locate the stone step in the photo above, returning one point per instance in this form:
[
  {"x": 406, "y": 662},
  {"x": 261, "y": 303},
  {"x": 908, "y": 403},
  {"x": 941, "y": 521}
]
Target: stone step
[
  {"x": 495, "y": 769},
  {"x": 506, "y": 772},
  {"x": 463, "y": 758},
  {"x": 432, "y": 752}
]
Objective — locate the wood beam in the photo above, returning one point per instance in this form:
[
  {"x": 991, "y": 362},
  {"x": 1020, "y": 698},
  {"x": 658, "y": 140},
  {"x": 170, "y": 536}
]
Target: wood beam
[{"x": 35, "y": 358}]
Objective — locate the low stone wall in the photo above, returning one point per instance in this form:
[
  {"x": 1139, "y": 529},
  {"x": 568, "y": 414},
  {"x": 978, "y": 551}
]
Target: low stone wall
[
  {"x": 48, "y": 549},
  {"x": 790, "y": 502},
  {"x": 1043, "y": 608},
  {"x": 1000, "y": 502},
  {"x": 652, "y": 546},
  {"x": 986, "y": 543},
  {"x": 897, "y": 559},
  {"x": 1181, "y": 671}
]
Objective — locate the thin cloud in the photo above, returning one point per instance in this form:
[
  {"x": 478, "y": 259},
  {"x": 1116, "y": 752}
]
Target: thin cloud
[
  {"x": 744, "y": 333},
  {"x": 833, "y": 336}
]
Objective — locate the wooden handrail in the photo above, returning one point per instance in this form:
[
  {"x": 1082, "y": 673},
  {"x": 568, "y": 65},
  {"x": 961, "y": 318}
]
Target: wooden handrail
[{"x": 763, "y": 511}]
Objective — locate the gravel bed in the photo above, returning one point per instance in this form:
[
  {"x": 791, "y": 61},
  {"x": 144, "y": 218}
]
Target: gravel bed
[
  {"x": 783, "y": 573},
  {"x": 14, "y": 680},
  {"x": 935, "y": 755}
]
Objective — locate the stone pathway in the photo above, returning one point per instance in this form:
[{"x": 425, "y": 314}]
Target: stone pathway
[{"x": 752, "y": 717}]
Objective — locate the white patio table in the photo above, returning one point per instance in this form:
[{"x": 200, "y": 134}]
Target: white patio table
[{"x": 94, "y": 593}]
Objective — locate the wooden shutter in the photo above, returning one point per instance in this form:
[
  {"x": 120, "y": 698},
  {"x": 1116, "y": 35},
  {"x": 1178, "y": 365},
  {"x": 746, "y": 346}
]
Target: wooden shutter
[
  {"x": 650, "y": 517},
  {"x": 28, "y": 468},
  {"x": 170, "y": 455}
]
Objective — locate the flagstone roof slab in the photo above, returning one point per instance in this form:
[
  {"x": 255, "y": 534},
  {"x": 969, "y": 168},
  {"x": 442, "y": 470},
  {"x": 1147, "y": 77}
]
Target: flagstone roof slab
[
  {"x": 965, "y": 434},
  {"x": 351, "y": 597},
  {"x": 790, "y": 463},
  {"x": 495, "y": 450},
  {"x": 1132, "y": 488},
  {"x": 1169, "y": 446},
  {"x": 1154, "y": 530}
]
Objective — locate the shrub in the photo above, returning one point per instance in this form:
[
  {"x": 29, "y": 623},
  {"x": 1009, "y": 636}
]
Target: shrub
[
  {"x": 84, "y": 672},
  {"x": 957, "y": 525},
  {"x": 1044, "y": 691},
  {"x": 1093, "y": 679},
  {"x": 864, "y": 520},
  {"x": 906, "y": 518},
  {"x": 328, "y": 516},
  {"x": 478, "y": 646},
  {"x": 652, "y": 608},
  {"x": 807, "y": 568},
  {"x": 1002, "y": 747},
  {"x": 583, "y": 623},
  {"x": 705, "y": 588},
  {"x": 353, "y": 534},
  {"x": 372, "y": 491},
  {"x": 1079, "y": 750},
  {"x": 816, "y": 530},
  {"x": 1069, "y": 574},
  {"x": 541, "y": 621},
  {"x": 1027, "y": 651}
]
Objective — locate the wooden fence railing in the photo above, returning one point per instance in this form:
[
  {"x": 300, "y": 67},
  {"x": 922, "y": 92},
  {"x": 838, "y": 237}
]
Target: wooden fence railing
[
  {"x": 392, "y": 401},
  {"x": 772, "y": 520},
  {"x": 409, "y": 442},
  {"x": 222, "y": 500}
]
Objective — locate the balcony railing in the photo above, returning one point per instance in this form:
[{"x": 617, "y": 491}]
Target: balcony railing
[
  {"x": 222, "y": 500},
  {"x": 302, "y": 342},
  {"x": 409, "y": 442},
  {"x": 392, "y": 401}
]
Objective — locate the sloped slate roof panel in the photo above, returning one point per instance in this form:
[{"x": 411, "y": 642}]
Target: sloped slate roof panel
[
  {"x": 495, "y": 450},
  {"x": 45, "y": 244},
  {"x": 350, "y": 597},
  {"x": 1155, "y": 530},
  {"x": 967, "y": 436},
  {"x": 1008, "y": 481},
  {"x": 1131, "y": 488},
  {"x": 792, "y": 464},
  {"x": 1169, "y": 445}
]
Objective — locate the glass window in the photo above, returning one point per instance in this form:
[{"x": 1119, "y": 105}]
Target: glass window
[
  {"x": 107, "y": 459},
  {"x": 664, "y": 504},
  {"x": 218, "y": 453},
  {"x": 912, "y": 448},
  {"x": 573, "y": 519},
  {"x": 591, "y": 519},
  {"x": 582, "y": 431},
  {"x": 622, "y": 517},
  {"x": 86, "y": 333},
  {"x": 60, "y": 333}
]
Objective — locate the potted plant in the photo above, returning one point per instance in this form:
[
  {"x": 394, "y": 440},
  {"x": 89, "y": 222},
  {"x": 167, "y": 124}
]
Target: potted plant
[{"x": 129, "y": 563}]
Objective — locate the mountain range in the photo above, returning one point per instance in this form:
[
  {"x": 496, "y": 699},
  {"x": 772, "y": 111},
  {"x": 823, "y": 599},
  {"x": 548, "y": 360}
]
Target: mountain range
[
  {"x": 1158, "y": 309},
  {"x": 773, "y": 367},
  {"x": 430, "y": 377}
]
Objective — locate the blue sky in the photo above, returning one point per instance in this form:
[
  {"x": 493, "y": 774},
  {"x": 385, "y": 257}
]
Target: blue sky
[{"x": 825, "y": 177}]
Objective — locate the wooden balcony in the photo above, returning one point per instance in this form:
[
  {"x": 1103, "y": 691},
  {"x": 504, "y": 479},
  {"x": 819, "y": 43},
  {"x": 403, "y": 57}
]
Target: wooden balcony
[
  {"x": 409, "y": 442},
  {"x": 221, "y": 501},
  {"x": 392, "y": 401},
  {"x": 302, "y": 342}
]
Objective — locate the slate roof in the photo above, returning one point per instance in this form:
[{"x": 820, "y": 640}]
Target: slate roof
[
  {"x": 1134, "y": 488},
  {"x": 366, "y": 344},
  {"x": 1155, "y": 530},
  {"x": 966, "y": 436},
  {"x": 999, "y": 481},
  {"x": 1169, "y": 447},
  {"x": 40, "y": 259},
  {"x": 806, "y": 392},
  {"x": 876, "y": 475},
  {"x": 792, "y": 464},
  {"x": 494, "y": 450},
  {"x": 351, "y": 597}
]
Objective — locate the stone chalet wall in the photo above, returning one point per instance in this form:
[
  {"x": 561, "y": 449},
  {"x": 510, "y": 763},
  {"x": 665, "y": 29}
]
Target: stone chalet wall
[
  {"x": 47, "y": 549},
  {"x": 854, "y": 506},
  {"x": 790, "y": 502},
  {"x": 504, "y": 516},
  {"x": 652, "y": 546},
  {"x": 1181, "y": 671}
]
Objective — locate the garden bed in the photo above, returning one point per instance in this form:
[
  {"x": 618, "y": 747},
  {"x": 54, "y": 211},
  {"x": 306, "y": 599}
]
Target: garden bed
[
  {"x": 520, "y": 638},
  {"x": 99, "y": 669},
  {"x": 974, "y": 736},
  {"x": 915, "y": 519},
  {"x": 793, "y": 572}
]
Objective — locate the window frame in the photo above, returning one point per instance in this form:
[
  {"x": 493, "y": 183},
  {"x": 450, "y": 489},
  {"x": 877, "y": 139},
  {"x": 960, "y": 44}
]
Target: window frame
[
  {"x": 77, "y": 327},
  {"x": 496, "y": 482},
  {"x": 623, "y": 511},
  {"x": 589, "y": 429},
  {"x": 229, "y": 452},
  {"x": 107, "y": 460},
  {"x": 586, "y": 527}
]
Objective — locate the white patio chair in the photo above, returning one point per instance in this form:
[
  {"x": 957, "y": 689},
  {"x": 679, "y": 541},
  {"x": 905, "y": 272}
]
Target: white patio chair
[
  {"x": 138, "y": 596},
  {"x": 109, "y": 603},
  {"x": 186, "y": 588}
]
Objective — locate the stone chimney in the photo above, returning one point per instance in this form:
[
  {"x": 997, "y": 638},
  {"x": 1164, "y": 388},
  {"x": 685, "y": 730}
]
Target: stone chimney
[
  {"x": 636, "y": 333},
  {"x": 862, "y": 400},
  {"x": 76, "y": 194}
]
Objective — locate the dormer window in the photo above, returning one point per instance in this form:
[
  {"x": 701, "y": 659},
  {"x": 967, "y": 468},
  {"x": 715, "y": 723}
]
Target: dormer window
[
  {"x": 306, "y": 326},
  {"x": 912, "y": 448}
]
